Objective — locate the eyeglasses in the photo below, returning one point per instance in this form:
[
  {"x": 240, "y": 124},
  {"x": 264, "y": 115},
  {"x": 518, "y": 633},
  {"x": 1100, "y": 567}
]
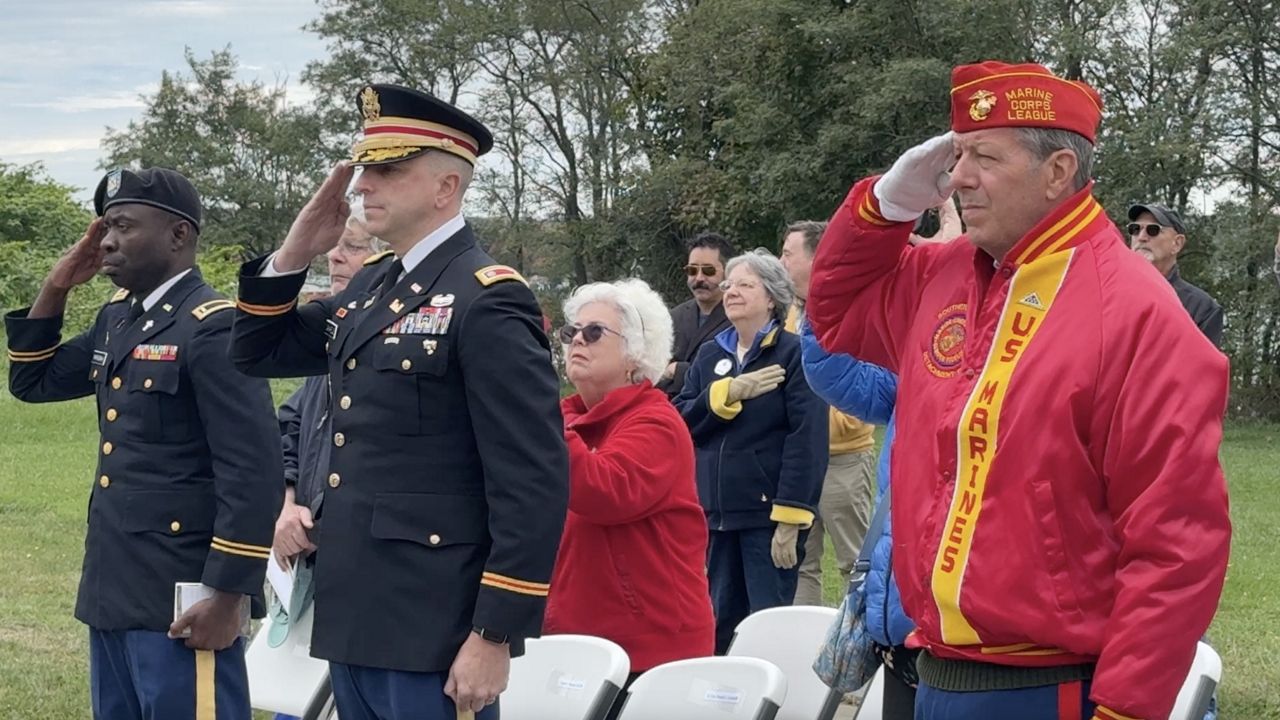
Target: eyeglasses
[
  {"x": 694, "y": 270},
  {"x": 740, "y": 285},
  {"x": 1151, "y": 228},
  {"x": 591, "y": 332}
]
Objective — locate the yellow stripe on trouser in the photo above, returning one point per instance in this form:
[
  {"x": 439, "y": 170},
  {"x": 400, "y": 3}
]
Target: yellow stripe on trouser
[
  {"x": 1031, "y": 294},
  {"x": 206, "y": 688}
]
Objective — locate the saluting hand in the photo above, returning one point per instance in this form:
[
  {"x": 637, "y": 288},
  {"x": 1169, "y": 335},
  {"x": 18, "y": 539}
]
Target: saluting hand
[
  {"x": 80, "y": 262},
  {"x": 214, "y": 623},
  {"x": 319, "y": 225},
  {"x": 918, "y": 180},
  {"x": 479, "y": 674}
]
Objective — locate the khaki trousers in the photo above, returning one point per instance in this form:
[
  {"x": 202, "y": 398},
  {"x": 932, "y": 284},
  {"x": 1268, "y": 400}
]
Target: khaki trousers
[{"x": 844, "y": 511}]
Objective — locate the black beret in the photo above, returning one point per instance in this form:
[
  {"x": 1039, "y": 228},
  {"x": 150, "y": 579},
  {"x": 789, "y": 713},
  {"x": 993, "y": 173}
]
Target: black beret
[
  {"x": 400, "y": 122},
  {"x": 158, "y": 187}
]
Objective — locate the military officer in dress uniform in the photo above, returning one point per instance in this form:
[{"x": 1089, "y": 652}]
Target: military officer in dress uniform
[
  {"x": 448, "y": 476},
  {"x": 188, "y": 473}
]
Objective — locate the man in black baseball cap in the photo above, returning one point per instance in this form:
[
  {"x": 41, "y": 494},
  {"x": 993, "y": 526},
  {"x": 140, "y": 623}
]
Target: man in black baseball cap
[
  {"x": 189, "y": 462},
  {"x": 1158, "y": 234}
]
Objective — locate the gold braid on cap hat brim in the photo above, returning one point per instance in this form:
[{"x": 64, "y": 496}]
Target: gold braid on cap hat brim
[{"x": 394, "y": 138}]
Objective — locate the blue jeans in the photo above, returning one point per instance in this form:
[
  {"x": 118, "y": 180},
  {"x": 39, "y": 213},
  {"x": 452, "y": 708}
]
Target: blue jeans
[{"x": 743, "y": 578}]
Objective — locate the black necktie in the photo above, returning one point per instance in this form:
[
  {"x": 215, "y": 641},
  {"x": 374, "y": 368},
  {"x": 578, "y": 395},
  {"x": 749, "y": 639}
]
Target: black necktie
[
  {"x": 135, "y": 311},
  {"x": 393, "y": 277}
]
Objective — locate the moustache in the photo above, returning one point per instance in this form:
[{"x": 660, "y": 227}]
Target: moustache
[{"x": 702, "y": 285}]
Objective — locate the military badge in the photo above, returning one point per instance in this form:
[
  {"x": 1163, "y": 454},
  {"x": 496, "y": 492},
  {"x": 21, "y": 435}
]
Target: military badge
[
  {"x": 946, "y": 347},
  {"x": 369, "y": 105},
  {"x": 442, "y": 300},
  {"x": 331, "y": 329},
  {"x": 396, "y": 306},
  {"x": 981, "y": 104},
  {"x": 341, "y": 313},
  {"x": 416, "y": 288},
  {"x": 100, "y": 357},
  {"x": 113, "y": 183},
  {"x": 430, "y": 346},
  {"x": 156, "y": 352}
]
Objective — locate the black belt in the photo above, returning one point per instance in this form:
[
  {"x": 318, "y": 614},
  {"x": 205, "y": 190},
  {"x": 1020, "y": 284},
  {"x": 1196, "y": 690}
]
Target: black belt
[{"x": 970, "y": 676}]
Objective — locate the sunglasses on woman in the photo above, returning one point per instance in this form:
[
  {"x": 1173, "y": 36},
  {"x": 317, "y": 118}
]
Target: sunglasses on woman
[
  {"x": 591, "y": 332},
  {"x": 1151, "y": 228}
]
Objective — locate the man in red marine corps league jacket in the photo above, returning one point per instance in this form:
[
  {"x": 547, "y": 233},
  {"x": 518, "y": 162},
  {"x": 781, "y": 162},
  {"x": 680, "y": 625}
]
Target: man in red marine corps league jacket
[{"x": 1059, "y": 506}]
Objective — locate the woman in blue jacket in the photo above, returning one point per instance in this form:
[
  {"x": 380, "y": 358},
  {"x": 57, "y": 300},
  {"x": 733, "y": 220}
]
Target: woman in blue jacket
[
  {"x": 760, "y": 443},
  {"x": 869, "y": 392}
]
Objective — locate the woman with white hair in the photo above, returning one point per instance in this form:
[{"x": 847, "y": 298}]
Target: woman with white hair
[
  {"x": 630, "y": 567},
  {"x": 760, "y": 436}
]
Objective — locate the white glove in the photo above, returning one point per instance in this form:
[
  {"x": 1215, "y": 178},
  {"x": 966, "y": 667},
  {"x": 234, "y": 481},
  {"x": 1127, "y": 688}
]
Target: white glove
[
  {"x": 783, "y": 549},
  {"x": 755, "y": 383},
  {"x": 917, "y": 181}
]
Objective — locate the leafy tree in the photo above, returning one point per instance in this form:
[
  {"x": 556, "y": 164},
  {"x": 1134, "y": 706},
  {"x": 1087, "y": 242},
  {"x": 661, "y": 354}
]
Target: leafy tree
[
  {"x": 254, "y": 159},
  {"x": 35, "y": 208}
]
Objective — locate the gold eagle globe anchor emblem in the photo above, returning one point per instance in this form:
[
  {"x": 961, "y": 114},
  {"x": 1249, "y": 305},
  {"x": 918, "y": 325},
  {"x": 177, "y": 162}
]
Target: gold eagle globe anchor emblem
[{"x": 981, "y": 104}]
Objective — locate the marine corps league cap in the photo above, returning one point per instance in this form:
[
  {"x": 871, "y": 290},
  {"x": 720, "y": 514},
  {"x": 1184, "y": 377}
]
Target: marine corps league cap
[
  {"x": 994, "y": 94},
  {"x": 158, "y": 187},
  {"x": 400, "y": 122}
]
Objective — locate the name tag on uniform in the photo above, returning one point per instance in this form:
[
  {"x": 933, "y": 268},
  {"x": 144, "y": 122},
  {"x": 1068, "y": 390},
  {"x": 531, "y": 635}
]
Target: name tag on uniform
[
  {"x": 100, "y": 357},
  {"x": 156, "y": 352},
  {"x": 426, "y": 321}
]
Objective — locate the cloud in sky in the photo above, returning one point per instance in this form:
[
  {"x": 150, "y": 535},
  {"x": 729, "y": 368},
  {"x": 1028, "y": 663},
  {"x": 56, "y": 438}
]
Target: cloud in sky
[{"x": 71, "y": 68}]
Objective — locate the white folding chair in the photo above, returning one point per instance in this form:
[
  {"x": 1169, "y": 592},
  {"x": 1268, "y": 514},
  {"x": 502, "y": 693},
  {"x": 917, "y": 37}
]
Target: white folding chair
[
  {"x": 565, "y": 677},
  {"x": 790, "y": 637},
  {"x": 1197, "y": 690},
  {"x": 286, "y": 679},
  {"x": 872, "y": 707},
  {"x": 713, "y": 688}
]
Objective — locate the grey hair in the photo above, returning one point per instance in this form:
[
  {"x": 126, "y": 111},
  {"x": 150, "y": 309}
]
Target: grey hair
[
  {"x": 773, "y": 276},
  {"x": 647, "y": 333},
  {"x": 1043, "y": 142},
  {"x": 357, "y": 222}
]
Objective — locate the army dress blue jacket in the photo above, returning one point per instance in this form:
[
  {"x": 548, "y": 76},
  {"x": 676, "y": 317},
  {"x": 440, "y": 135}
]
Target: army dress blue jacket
[
  {"x": 447, "y": 483},
  {"x": 187, "y": 484}
]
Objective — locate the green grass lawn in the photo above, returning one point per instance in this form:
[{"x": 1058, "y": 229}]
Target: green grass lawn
[{"x": 46, "y": 463}]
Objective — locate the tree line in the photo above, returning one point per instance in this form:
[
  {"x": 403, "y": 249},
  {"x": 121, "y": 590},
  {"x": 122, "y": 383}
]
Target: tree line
[{"x": 625, "y": 126}]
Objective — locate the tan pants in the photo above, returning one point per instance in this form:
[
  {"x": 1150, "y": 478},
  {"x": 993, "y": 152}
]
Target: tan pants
[{"x": 844, "y": 510}]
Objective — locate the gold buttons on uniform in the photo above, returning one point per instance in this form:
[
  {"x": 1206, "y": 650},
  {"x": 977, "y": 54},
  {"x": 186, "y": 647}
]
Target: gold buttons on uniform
[
  {"x": 405, "y": 364},
  {"x": 339, "y": 439},
  {"x": 112, "y": 414},
  {"x": 351, "y": 364},
  {"x": 335, "y": 480},
  {"x": 175, "y": 526},
  {"x": 116, "y": 383},
  {"x": 147, "y": 383},
  {"x": 345, "y": 402},
  {"x": 107, "y": 447},
  {"x": 104, "y": 481},
  {"x": 434, "y": 539}
]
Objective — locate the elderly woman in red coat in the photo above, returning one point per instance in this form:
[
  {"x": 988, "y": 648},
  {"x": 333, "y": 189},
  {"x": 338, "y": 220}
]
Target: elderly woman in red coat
[{"x": 631, "y": 563}]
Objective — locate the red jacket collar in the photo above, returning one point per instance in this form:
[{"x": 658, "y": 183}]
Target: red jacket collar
[
  {"x": 1063, "y": 228},
  {"x": 576, "y": 413}
]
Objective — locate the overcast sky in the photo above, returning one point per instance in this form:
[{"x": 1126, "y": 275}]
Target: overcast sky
[{"x": 71, "y": 68}]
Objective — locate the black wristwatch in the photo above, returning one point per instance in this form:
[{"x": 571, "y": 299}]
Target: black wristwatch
[{"x": 491, "y": 636}]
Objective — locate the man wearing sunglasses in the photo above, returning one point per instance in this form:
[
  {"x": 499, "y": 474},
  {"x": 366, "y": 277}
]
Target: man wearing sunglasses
[
  {"x": 1158, "y": 234},
  {"x": 698, "y": 319}
]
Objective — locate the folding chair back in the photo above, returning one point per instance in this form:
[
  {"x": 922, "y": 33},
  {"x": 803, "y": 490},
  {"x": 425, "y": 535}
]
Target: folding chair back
[
  {"x": 567, "y": 677},
  {"x": 790, "y": 638},
  {"x": 715, "y": 688}
]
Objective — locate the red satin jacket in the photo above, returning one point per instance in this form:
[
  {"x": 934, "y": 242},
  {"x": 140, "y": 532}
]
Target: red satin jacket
[{"x": 1057, "y": 492}]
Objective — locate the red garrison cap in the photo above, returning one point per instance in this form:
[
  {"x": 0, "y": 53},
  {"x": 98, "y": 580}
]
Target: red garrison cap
[{"x": 994, "y": 94}]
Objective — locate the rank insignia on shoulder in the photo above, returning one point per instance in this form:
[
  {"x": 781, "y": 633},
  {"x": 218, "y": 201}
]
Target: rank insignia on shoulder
[
  {"x": 496, "y": 274},
  {"x": 121, "y": 294},
  {"x": 155, "y": 352},
  {"x": 377, "y": 257},
  {"x": 204, "y": 310}
]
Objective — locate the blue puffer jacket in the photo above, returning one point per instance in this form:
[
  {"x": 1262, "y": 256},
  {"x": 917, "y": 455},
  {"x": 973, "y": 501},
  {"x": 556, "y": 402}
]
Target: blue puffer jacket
[{"x": 868, "y": 392}]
